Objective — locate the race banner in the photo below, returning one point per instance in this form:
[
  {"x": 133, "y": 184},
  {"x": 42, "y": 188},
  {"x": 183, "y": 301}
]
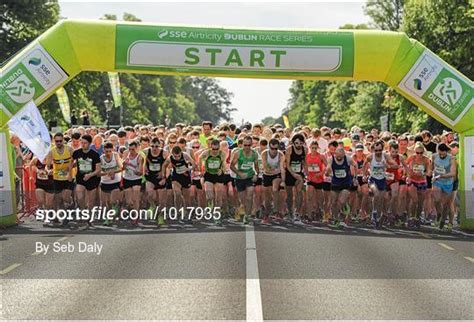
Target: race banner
[
  {"x": 286, "y": 121},
  {"x": 29, "y": 126},
  {"x": 115, "y": 87},
  {"x": 63, "y": 101}
]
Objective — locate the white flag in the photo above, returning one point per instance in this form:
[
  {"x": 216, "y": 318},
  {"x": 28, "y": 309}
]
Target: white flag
[{"x": 29, "y": 126}]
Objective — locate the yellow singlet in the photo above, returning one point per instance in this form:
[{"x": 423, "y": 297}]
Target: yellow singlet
[{"x": 61, "y": 163}]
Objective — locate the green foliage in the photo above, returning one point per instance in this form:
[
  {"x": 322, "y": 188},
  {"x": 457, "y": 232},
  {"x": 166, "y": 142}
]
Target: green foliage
[
  {"x": 21, "y": 21},
  {"x": 444, "y": 26}
]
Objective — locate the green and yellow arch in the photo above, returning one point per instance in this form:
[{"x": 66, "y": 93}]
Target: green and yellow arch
[{"x": 73, "y": 46}]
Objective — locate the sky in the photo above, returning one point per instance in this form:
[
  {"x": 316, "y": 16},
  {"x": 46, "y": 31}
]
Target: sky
[{"x": 253, "y": 99}]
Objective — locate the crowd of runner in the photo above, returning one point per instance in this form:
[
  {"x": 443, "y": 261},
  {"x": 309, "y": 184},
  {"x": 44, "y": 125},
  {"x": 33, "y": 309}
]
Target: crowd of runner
[{"x": 255, "y": 172}]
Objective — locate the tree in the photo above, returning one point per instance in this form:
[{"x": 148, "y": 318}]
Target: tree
[
  {"x": 21, "y": 21},
  {"x": 385, "y": 14}
]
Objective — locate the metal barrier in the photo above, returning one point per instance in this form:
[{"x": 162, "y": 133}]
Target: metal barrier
[{"x": 25, "y": 192}]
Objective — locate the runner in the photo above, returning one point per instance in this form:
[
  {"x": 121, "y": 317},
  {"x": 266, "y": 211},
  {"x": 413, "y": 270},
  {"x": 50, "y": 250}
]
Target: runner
[
  {"x": 418, "y": 170},
  {"x": 111, "y": 176},
  {"x": 132, "y": 177},
  {"x": 342, "y": 170},
  {"x": 394, "y": 182},
  {"x": 361, "y": 201},
  {"x": 213, "y": 160},
  {"x": 294, "y": 177},
  {"x": 317, "y": 164},
  {"x": 60, "y": 159},
  {"x": 181, "y": 164},
  {"x": 44, "y": 191},
  {"x": 444, "y": 171},
  {"x": 154, "y": 159},
  {"x": 244, "y": 164},
  {"x": 377, "y": 163},
  {"x": 273, "y": 163},
  {"x": 87, "y": 178}
]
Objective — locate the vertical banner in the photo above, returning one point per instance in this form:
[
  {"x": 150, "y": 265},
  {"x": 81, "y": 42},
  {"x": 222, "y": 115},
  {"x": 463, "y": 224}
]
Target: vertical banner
[
  {"x": 469, "y": 176},
  {"x": 115, "y": 87},
  {"x": 7, "y": 186},
  {"x": 29, "y": 126},
  {"x": 63, "y": 101},
  {"x": 286, "y": 121}
]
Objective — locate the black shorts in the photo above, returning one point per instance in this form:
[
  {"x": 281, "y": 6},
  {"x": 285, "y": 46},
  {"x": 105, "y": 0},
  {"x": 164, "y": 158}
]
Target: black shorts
[
  {"x": 155, "y": 181},
  {"x": 290, "y": 181},
  {"x": 226, "y": 178},
  {"x": 212, "y": 178},
  {"x": 47, "y": 187},
  {"x": 131, "y": 183},
  {"x": 337, "y": 188},
  {"x": 183, "y": 180},
  {"x": 197, "y": 183},
  {"x": 268, "y": 179},
  {"x": 242, "y": 184},
  {"x": 402, "y": 182},
  {"x": 429, "y": 181},
  {"x": 317, "y": 186},
  {"x": 353, "y": 187},
  {"x": 109, "y": 187},
  {"x": 259, "y": 181},
  {"x": 61, "y": 185},
  {"x": 361, "y": 181},
  {"x": 456, "y": 185},
  {"x": 91, "y": 184}
]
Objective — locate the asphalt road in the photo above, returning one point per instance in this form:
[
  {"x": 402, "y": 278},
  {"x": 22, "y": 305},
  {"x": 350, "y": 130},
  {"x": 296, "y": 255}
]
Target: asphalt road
[{"x": 237, "y": 272}]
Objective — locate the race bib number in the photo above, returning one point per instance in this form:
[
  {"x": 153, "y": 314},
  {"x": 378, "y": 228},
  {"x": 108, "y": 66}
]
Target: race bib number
[
  {"x": 181, "y": 169},
  {"x": 85, "y": 166},
  {"x": 62, "y": 173},
  {"x": 419, "y": 169},
  {"x": 440, "y": 170},
  {"x": 246, "y": 166},
  {"x": 296, "y": 167},
  {"x": 340, "y": 173},
  {"x": 378, "y": 172},
  {"x": 390, "y": 176},
  {"x": 314, "y": 168},
  {"x": 42, "y": 175},
  {"x": 154, "y": 167},
  {"x": 214, "y": 164}
]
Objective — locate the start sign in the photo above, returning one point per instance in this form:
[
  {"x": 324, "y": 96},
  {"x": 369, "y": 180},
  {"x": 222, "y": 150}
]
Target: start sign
[{"x": 247, "y": 52}]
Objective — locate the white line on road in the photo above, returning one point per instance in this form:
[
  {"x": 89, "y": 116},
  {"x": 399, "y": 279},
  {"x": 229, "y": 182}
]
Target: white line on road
[
  {"x": 62, "y": 239},
  {"x": 10, "y": 268},
  {"x": 446, "y": 246},
  {"x": 254, "y": 298},
  {"x": 471, "y": 259}
]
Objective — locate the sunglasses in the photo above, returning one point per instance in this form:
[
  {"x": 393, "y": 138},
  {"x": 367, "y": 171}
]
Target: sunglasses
[
  {"x": 58, "y": 141},
  {"x": 378, "y": 150},
  {"x": 248, "y": 145},
  {"x": 174, "y": 142},
  {"x": 419, "y": 152},
  {"x": 215, "y": 149},
  {"x": 196, "y": 147},
  {"x": 273, "y": 148},
  {"x": 155, "y": 146}
]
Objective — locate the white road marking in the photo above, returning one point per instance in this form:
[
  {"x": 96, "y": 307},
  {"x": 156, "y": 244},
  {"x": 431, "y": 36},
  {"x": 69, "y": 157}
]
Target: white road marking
[
  {"x": 10, "y": 268},
  {"x": 471, "y": 259},
  {"x": 62, "y": 239},
  {"x": 446, "y": 246},
  {"x": 254, "y": 298}
]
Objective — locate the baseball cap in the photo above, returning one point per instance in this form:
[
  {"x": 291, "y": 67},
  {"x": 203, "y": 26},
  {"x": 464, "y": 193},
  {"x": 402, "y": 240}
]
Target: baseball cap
[{"x": 359, "y": 147}]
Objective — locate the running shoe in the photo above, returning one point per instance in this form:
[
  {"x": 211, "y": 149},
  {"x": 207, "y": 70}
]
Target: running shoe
[
  {"x": 297, "y": 220},
  {"x": 449, "y": 227},
  {"x": 266, "y": 220}
]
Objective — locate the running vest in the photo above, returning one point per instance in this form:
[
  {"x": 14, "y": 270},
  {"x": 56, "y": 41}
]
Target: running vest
[
  {"x": 107, "y": 166},
  {"x": 360, "y": 168},
  {"x": 154, "y": 163},
  {"x": 245, "y": 163},
  {"x": 180, "y": 167},
  {"x": 394, "y": 174},
  {"x": 315, "y": 166},
  {"x": 296, "y": 160},
  {"x": 341, "y": 174},
  {"x": 418, "y": 171},
  {"x": 131, "y": 165},
  {"x": 442, "y": 166},
  {"x": 213, "y": 163},
  {"x": 273, "y": 162},
  {"x": 61, "y": 163},
  {"x": 41, "y": 175},
  {"x": 377, "y": 168}
]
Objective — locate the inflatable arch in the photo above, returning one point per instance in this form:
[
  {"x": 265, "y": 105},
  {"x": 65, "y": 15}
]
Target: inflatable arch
[{"x": 72, "y": 46}]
